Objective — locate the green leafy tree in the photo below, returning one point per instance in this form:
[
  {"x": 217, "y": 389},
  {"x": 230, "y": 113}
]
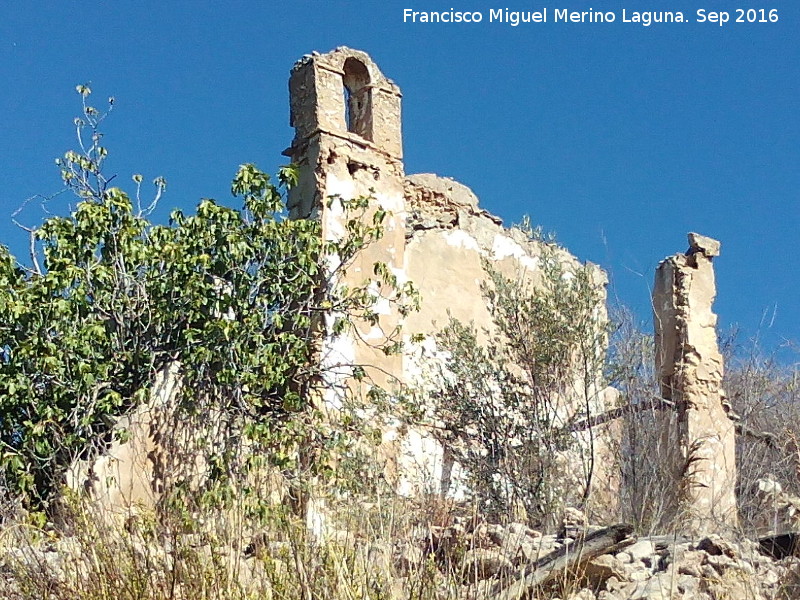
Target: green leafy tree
[{"x": 235, "y": 297}]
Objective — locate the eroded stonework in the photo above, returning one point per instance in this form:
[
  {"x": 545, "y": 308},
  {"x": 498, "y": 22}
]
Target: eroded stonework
[
  {"x": 348, "y": 143},
  {"x": 690, "y": 368},
  {"x": 132, "y": 472}
]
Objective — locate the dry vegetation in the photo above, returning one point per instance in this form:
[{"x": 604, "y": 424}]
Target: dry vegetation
[
  {"x": 376, "y": 545},
  {"x": 105, "y": 310}
]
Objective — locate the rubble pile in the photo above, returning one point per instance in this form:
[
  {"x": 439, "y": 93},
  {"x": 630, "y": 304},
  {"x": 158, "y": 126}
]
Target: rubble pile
[{"x": 467, "y": 559}]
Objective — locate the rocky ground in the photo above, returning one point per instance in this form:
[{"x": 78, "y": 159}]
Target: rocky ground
[
  {"x": 647, "y": 568},
  {"x": 467, "y": 559}
]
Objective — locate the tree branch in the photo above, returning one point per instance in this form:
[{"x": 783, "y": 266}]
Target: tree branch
[
  {"x": 546, "y": 568},
  {"x": 653, "y": 403}
]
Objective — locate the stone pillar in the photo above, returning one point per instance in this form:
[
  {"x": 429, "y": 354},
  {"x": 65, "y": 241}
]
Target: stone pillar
[{"x": 690, "y": 368}]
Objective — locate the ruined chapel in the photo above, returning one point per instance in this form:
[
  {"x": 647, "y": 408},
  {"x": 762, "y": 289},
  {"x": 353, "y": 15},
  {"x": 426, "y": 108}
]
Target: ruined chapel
[{"x": 347, "y": 143}]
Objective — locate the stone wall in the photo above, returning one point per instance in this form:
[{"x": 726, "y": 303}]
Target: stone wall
[
  {"x": 131, "y": 472},
  {"x": 689, "y": 368},
  {"x": 348, "y": 143}
]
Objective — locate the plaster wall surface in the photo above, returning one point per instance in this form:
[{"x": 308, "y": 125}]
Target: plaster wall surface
[{"x": 348, "y": 144}]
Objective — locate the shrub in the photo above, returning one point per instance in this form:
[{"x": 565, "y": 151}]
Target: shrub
[{"x": 506, "y": 408}]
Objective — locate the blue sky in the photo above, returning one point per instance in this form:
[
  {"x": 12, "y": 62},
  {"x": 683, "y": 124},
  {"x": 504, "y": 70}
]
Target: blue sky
[{"x": 618, "y": 137}]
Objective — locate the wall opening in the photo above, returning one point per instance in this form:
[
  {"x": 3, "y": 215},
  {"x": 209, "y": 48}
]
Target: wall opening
[{"x": 357, "y": 98}]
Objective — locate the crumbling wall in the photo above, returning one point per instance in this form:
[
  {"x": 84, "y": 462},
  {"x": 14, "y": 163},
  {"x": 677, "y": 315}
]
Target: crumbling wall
[
  {"x": 130, "y": 472},
  {"x": 689, "y": 367},
  {"x": 449, "y": 238},
  {"x": 348, "y": 144},
  {"x": 160, "y": 448}
]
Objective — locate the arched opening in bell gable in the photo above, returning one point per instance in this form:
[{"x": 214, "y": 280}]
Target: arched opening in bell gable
[{"x": 357, "y": 98}]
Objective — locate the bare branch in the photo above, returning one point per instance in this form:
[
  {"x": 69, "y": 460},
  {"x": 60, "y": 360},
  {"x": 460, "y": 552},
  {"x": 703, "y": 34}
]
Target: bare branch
[
  {"x": 769, "y": 439},
  {"x": 32, "y": 245},
  {"x": 561, "y": 561},
  {"x": 654, "y": 403}
]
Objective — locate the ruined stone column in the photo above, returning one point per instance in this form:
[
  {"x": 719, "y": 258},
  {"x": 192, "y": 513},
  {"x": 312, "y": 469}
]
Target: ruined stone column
[{"x": 690, "y": 368}]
